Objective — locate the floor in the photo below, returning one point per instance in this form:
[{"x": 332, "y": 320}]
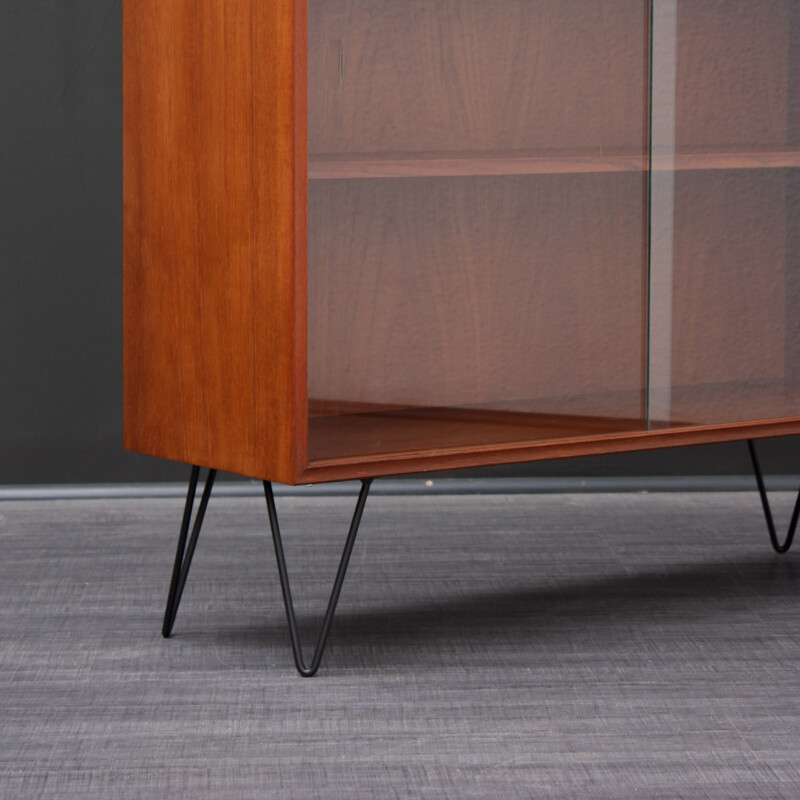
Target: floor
[{"x": 526, "y": 646}]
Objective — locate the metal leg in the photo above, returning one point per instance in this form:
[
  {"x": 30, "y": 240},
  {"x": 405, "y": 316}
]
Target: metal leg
[
  {"x": 183, "y": 561},
  {"x": 779, "y": 548},
  {"x": 311, "y": 669},
  {"x": 183, "y": 556}
]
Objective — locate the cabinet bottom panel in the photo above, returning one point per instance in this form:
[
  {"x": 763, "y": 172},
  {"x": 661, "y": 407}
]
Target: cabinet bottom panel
[{"x": 347, "y": 441}]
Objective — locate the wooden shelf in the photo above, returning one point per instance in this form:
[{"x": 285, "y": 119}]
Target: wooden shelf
[
  {"x": 399, "y": 432},
  {"x": 433, "y": 165},
  {"x": 698, "y": 160},
  {"x": 360, "y": 431}
]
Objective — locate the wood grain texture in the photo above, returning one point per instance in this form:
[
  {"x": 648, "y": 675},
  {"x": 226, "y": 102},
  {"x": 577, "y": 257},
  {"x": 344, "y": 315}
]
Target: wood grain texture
[
  {"x": 732, "y": 244},
  {"x": 426, "y": 459},
  {"x": 459, "y": 291},
  {"x": 445, "y": 75},
  {"x": 732, "y": 82},
  {"x": 792, "y": 299},
  {"x": 394, "y": 431},
  {"x": 793, "y": 88},
  {"x": 506, "y": 274},
  {"x": 423, "y": 165},
  {"x": 214, "y": 355},
  {"x": 729, "y": 278}
]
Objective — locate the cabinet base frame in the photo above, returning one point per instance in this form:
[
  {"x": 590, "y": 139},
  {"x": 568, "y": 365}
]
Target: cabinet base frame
[{"x": 185, "y": 552}]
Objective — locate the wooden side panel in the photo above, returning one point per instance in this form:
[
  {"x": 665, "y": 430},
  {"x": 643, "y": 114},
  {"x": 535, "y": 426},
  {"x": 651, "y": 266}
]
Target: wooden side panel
[
  {"x": 280, "y": 122},
  {"x": 209, "y": 203}
]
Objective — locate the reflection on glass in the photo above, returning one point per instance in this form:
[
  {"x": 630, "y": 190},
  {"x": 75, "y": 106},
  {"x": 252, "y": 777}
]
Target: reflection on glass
[
  {"x": 724, "y": 256},
  {"x": 477, "y": 222}
]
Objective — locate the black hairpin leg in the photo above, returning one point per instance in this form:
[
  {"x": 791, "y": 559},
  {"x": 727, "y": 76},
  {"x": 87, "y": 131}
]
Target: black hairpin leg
[
  {"x": 779, "y": 548},
  {"x": 183, "y": 557},
  {"x": 183, "y": 561},
  {"x": 311, "y": 669}
]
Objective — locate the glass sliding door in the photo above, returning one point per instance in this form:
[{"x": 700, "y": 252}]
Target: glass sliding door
[
  {"x": 477, "y": 222},
  {"x": 724, "y": 311}
]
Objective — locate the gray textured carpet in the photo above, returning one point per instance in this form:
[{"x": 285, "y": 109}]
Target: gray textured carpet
[{"x": 593, "y": 646}]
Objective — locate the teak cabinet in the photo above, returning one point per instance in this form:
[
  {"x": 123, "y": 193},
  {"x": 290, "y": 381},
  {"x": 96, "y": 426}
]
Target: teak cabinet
[{"x": 371, "y": 237}]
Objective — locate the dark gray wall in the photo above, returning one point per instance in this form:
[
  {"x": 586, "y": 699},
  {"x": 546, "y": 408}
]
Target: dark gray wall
[
  {"x": 61, "y": 244},
  {"x": 61, "y": 264}
]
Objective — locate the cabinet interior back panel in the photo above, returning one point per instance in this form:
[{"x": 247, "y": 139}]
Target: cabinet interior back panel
[
  {"x": 484, "y": 290},
  {"x": 729, "y": 276},
  {"x": 458, "y": 75},
  {"x": 733, "y": 73}
]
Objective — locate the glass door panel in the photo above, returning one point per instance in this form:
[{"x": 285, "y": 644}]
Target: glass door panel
[
  {"x": 477, "y": 252},
  {"x": 724, "y": 333}
]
